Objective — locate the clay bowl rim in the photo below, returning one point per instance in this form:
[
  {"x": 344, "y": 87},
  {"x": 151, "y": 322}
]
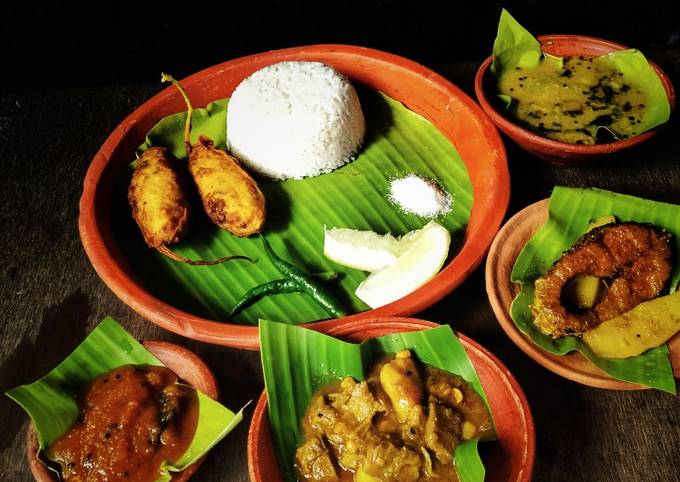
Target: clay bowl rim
[
  {"x": 501, "y": 291},
  {"x": 388, "y": 325},
  {"x": 178, "y": 359},
  {"x": 543, "y": 144},
  {"x": 486, "y": 217}
]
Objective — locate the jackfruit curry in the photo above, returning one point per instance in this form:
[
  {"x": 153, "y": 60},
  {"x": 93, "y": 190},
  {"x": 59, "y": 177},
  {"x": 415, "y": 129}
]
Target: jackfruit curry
[
  {"x": 132, "y": 420},
  {"x": 401, "y": 424}
]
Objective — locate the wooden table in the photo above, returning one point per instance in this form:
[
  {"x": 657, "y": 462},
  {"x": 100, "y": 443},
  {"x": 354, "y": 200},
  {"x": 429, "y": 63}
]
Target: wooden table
[{"x": 51, "y": 296}]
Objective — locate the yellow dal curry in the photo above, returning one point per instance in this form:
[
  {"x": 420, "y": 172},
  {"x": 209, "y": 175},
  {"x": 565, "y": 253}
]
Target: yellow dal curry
[{"x": 568, "y": 101}]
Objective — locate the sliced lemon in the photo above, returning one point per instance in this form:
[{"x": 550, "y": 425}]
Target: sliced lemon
[
  {"x": 364, "y": 250},
  {"x": 425, "y": 254}
]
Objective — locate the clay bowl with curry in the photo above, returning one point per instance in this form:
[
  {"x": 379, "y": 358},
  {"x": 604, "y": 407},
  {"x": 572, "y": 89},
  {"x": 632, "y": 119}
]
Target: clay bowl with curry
[
  {"x": 179, "y": 363},
  {"x": 578, "y": 72},
  {"x": 508, "y": 455}
]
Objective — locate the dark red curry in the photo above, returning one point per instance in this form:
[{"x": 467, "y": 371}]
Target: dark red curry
[{"x": 131, "y": 420}]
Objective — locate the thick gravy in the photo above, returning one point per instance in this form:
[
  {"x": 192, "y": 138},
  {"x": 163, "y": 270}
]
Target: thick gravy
[{"x": 131, "y": 420}]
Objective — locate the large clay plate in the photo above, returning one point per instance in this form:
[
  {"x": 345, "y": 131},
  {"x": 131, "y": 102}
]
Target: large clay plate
[
  {"x": 502, "y": 255},
  {"x": 423, "y": 91},
  {"x": 508, "y": 459}
]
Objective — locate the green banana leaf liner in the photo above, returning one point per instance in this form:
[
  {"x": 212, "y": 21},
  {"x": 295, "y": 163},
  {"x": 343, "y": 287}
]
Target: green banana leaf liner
[
  {"x": 398, "y": 142},
  {"x": 297, "y": 361},
  {"x": 514, "y": 47},
  {"x": 51, "y": 404},
  {"x": 570, "y": 212}
]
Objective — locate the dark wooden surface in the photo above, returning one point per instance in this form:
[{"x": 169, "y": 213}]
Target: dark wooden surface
[{"x": 51, "y": 296}]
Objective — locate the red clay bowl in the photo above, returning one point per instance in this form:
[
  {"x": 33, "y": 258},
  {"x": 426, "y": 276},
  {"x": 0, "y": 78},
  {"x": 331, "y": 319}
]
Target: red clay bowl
[
  {"x": 501, "y": 291},
  {"x": 423, "y": 91},
  {"x": 508, "y": 459},
  {"x": 548, "y": 149},
  {"x": 186, "y": 365}
]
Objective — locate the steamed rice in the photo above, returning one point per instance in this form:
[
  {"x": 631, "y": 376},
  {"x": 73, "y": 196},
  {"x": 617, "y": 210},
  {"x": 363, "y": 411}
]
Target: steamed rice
[{"x": 294, "y": 119}]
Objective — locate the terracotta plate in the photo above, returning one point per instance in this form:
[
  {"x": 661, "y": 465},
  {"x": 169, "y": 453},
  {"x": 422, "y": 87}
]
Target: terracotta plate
[
  {"x": 549, "y": 149},
  {"x": 423, "y": 91},
  {"x": 186, "y": 365},
  {"x": 502, "y": 255},
  {"x": 509, "y": 459}
]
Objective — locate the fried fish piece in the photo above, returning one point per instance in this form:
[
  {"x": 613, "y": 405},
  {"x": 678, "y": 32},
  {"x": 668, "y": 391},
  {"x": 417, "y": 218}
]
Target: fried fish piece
[{"x": 634, "y": 261}]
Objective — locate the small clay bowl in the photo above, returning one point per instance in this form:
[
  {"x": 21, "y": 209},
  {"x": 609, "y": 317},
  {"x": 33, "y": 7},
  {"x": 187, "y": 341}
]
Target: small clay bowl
[
  {"x": 549, "y": 149},
  {"x": 501, "y": 291},
  {"x": 186, "y": 365},
  {"x": 508, "y": 459},
  {"x": 423, "y": 91}
]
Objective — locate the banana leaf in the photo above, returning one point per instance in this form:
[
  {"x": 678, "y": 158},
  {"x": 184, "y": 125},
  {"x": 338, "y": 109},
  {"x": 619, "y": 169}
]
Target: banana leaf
[
  {"x": 398, "y": 142},
  {"x": 297, "y": 361},
  {"x": 570, "y": 212},
  {"x": 514, "y": 47},
  {"x": 51, "y": 404}
]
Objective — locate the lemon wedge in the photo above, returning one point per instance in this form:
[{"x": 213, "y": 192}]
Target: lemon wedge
[
  {"x": 363, "y": 250},
  {"x": 423, "y": 255}
]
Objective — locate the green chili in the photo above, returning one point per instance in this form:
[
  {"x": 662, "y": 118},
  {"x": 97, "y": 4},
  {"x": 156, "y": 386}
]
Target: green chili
[
  {"x": 326, "y": 276},
  {"x": 285, "y": 285},
  {"x": 320, "y": 294},
  {"x": 296, "y": 280}
]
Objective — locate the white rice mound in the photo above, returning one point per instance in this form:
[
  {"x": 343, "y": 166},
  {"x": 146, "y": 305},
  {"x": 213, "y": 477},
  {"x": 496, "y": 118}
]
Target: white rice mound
[{"x": 295, "y": 119}]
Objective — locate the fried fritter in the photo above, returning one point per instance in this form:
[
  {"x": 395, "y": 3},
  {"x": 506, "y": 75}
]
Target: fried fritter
[
  {"x": 231, "y": 198},
  {"x": 155, "y": 195},
  {"x": 159, "y": 206},
  {"x": 633, "y": 260}
]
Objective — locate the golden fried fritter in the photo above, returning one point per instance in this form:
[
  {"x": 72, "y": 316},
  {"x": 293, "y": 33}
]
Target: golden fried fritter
[
  {"x": 158, "y": 204},
  {"x": 231, "y": 198},
  {"x": 634, "y": 261}
]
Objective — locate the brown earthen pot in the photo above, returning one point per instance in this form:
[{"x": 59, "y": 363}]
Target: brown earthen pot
[
  {"x": 422, "y": 90},
  {"x": 548, "y": 149},
  {"x": 501, "y": 291},
  {"x": 186, "y": 365},
  {"x": 508, "y": 459}
]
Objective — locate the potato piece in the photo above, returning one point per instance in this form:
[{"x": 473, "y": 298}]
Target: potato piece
[
  {"x": 362, "y": 476},
  {"x": 584, "y": 291},
  {"x": 231, "y": 198},
  {"x": 401, "y": 382},
  {"x": 158, "y": 204},
  {"x": 647, "y": 325}
]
